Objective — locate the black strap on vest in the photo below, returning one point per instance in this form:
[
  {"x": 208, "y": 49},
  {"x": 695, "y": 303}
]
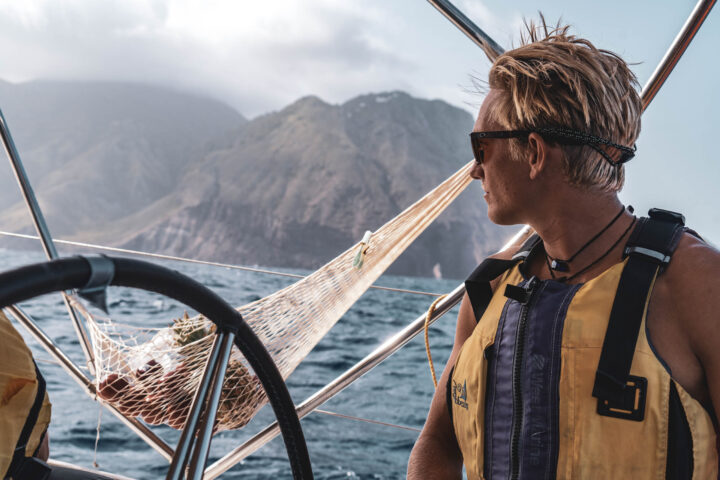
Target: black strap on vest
[
  {"x": 649, "y": 249},
  {"x": 478, "y": 286},
  {"x": 23, "y": 467}
]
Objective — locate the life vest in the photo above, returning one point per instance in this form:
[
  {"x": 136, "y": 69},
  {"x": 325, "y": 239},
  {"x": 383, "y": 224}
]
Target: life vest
[
  {"x": 561, "y": 381},
  {"x": 24, "y": 408}
]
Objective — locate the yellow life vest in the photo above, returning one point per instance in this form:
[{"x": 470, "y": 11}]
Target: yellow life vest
[
  {"x": 18, "y": 390},
  {"x": 531, "y": 410}
]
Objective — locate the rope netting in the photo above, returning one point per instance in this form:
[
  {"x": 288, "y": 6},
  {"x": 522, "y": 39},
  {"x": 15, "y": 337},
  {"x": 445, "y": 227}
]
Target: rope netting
[{"x": 153, "y": 373}]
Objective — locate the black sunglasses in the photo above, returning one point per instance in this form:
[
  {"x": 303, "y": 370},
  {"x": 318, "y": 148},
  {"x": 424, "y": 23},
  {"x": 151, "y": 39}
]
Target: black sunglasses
[{"x": 560, "y": 135}]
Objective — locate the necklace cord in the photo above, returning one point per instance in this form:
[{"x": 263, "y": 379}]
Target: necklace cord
[
  {"x": 589, "y": 242},
  {"x": 607, "y": 252}
]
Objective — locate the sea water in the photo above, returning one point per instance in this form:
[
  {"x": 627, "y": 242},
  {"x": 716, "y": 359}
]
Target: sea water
[{"x": 397, "y": 392}]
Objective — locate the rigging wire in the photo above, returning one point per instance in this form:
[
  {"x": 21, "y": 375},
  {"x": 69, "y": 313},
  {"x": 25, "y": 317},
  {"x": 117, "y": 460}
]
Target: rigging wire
[
  {"x": 201, "y": 262},
  {"x": 367, "y": 420}
]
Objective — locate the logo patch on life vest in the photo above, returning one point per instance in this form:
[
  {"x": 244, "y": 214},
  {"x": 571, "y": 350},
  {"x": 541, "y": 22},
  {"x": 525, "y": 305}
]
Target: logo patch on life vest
[{"x": 459, "y": 394}]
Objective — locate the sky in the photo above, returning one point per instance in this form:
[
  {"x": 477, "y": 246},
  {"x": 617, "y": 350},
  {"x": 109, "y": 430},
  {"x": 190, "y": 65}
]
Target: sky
[{"x": 260, "y": 56}]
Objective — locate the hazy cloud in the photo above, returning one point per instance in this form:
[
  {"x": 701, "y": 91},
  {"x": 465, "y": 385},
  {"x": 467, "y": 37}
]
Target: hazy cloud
[{"x": 255, "y": 57}]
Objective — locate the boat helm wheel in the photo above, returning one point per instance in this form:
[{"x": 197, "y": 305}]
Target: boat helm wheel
[{"x": 27, "y": 282}]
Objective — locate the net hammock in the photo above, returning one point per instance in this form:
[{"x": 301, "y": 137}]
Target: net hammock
[{"x": 153, "y": 373}]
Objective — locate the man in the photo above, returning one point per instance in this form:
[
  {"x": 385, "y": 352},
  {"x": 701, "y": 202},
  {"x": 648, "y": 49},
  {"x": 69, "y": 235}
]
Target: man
[{"x": 592, "y": 356}]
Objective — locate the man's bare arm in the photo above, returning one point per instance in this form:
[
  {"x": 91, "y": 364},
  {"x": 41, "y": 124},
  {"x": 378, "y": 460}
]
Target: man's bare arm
[
  {"x": 695, "y": 285},
  {"x": 684, "y": 319},
  {"x": 436, "y": 453}
]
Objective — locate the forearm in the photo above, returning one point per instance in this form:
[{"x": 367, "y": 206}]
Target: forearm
[
  {"x": 43, "y": 451},
  {"x": 430, "y": 459},
  {"x": 436, "y": 454}
]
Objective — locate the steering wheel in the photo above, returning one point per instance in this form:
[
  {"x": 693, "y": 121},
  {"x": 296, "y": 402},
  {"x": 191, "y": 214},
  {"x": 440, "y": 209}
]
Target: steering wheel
[{"x": 72, "y": 273}]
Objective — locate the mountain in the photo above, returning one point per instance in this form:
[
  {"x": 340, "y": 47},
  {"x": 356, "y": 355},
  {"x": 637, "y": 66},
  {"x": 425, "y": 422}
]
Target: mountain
[
  {"x": 291, "y": 188},
  {"x": 298, "y": 186},
  {"x": 97, "y": 152}
]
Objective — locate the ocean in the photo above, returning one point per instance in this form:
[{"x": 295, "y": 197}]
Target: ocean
[{"x": 397, "y": 392}]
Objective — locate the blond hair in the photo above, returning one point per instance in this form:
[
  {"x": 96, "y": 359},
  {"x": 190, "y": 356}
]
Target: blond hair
[{"x": 564, "y": 81}]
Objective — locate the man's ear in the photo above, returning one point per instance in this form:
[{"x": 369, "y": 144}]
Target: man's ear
[{"x": 537, "y": 155}]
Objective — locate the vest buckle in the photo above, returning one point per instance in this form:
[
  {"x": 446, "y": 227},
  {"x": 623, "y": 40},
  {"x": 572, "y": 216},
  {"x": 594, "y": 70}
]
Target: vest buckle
[
  {"x": 653, "y": 255},
  {"x": 630, "y": 405}
]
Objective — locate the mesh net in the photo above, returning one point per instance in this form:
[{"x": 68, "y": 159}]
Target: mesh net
[{"x": 153, "y": 372}]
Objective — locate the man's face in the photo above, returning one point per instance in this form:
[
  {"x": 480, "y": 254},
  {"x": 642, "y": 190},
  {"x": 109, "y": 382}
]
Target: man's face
[{"x": 501, "y": 177}]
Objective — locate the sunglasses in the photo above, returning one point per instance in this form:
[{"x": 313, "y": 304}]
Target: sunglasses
[{"x": 559, "y": 135}]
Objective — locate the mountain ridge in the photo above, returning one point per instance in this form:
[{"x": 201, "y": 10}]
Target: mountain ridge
[{"x": 289, "y": 188}]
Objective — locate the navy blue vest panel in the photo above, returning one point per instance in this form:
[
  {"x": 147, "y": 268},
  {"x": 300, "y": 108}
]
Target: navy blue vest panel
[
  {"x": 498, "y": 401},
  {"x": 522, "y": 401}
]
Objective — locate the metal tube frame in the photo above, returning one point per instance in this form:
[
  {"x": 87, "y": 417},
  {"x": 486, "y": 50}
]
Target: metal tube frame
[
  {"x": 179, "y": 461},
  {"x": 676, "y": 50},
  {"x": 88, "y": 472},
  {"x": 205, "y": 429},
  {"x": 467, "y": 26},
  {"x": 26, "y": 190},
  {"x": 42, "y": 230}
]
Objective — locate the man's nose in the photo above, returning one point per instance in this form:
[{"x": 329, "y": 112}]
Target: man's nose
[{"x": 477, "y": 171}]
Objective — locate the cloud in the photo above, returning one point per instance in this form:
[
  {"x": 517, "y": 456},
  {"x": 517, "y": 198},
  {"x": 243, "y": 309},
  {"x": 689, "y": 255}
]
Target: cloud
[{"x": 255, "y": 57}]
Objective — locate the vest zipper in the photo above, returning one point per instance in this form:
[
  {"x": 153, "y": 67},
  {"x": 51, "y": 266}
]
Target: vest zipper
[{"x": 516, "y": 381}]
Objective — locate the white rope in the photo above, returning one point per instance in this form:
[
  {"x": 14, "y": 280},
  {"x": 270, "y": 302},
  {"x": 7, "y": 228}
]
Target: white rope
[{"x": 201, "y": 262}]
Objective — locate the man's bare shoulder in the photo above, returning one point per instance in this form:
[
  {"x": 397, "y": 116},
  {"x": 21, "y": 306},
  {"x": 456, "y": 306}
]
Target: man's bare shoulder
[
  {"x": 689, "y": 290},
  {"x": 695, "y": 263},
  {"x": 683, "y": 315}
]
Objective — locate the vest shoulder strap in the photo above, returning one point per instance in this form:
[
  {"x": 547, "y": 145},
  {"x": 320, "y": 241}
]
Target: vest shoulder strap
[
  {"x": 21, "y": 466},
  {"x": 649, "y": 249},
  {"x": 478, "y": 286}
]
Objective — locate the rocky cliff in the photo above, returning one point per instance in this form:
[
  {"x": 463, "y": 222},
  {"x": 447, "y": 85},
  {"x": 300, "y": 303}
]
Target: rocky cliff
[{"x": 156, "y": 171}]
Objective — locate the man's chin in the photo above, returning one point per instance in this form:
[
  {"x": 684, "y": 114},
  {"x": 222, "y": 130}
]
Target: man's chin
[{"x": 503, "y": 218}]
